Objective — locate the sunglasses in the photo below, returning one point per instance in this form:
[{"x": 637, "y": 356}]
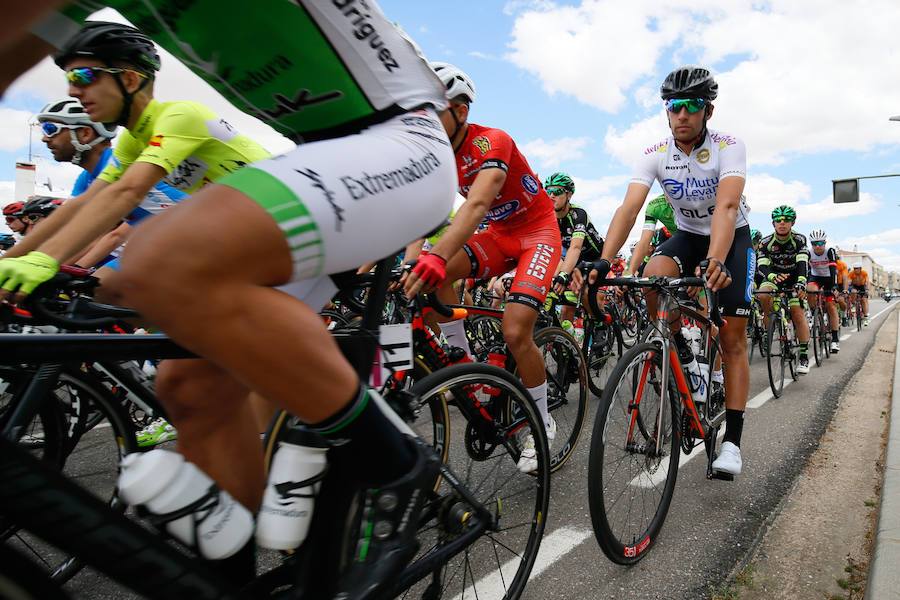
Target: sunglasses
[
  {"x": 818, "y": 243},
  {"x": 51, "y": 129},
  {"x": 84, "y": 76},
  {"x": 556, "y": 191},
  {"x": 693, "y": 105},
  {"x": 782, "y": 220}
]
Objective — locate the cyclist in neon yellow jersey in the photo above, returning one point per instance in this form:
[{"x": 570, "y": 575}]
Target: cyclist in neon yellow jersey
[{"x": 337, "y": 72}]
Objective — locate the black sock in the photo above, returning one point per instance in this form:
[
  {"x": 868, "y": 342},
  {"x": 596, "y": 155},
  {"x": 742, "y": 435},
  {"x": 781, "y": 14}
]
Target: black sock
[
  {"x": 370, "y": 445},
  {"x": 734, "y": 426},
  {"x": 834, "y": 336},
  {"x": 804, "y": 348}
]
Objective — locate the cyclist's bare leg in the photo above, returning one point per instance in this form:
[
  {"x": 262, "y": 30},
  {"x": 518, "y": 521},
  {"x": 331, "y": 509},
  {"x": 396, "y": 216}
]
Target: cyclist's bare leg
[
  {"x": 210, "y": 410},
  {"x": 518, "y": 333},
  {"x": 801, "y": 325},
  {"x": 733, "y": 337},
  {"x": 865, "y": 306},
  {"x": 567, "y": 313},
  {"x": 665, "y": 266}
]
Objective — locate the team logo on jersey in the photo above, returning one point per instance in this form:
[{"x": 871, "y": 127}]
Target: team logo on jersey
[
  {"x": 156, "y": 140},
  {"x": 530, "y": 184},
  {"x": 499, "y": 213},
  {"x": 703, "y": 156},
  {"x": 482, "y": 143}
]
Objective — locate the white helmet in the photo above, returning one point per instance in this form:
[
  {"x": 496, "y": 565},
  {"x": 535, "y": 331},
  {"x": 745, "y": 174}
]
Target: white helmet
[
  {"x": 857, "y": 264},
  {"x": 456, "y": 81},
  {"x": 70, "y": 112},
  {"x": 817, "y": 235}
]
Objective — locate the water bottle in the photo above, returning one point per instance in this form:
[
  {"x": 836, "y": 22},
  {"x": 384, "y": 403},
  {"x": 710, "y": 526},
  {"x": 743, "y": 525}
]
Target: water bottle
[
  {"x": 164, "y": 483},
  {"x": 290, "y": 496},
  {"x": 694, "y": 372},
  {"x": 694, "y": 336},
  {"x": 568, "y": 327}
]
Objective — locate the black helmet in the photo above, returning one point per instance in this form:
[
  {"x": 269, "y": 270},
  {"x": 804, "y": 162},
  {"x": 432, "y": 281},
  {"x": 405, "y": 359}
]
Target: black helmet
[
  {"x": 40, "y": 205},
  {"x": 111, "y": 42},
  {"x": 689, "y": 81},
  {"x": 7, "y": 241}
]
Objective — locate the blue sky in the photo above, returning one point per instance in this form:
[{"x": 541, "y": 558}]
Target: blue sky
[{"x": 808, "y": 85}]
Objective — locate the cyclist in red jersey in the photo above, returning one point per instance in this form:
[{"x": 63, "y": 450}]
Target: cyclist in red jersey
[{"x": 500, "y": 188}]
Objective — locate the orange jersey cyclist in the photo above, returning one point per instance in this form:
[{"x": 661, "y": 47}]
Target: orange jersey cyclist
[
  {"x": 702, "y": 173},
  {"x": 500, "y": 187}
]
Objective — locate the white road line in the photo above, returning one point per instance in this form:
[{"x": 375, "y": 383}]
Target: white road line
[
  {"x": 888, "y": 307},
  {"x": 553, "y": 547},
  {"x": 846, "y": 336}
]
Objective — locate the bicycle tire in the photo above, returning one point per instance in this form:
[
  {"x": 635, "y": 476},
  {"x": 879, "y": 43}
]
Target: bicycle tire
[
  {"x": 514, "y": 408},
  {"x": 775, "y": 361},
  {"x": 627, "y": 549},
  {"x": 569, "y": 361},
  {"x": 814, "y": 338},
  {"x": 859, "y": 314},
  {"x": 22, "y": 579},
  {"x": 825, "y": 338},
  {"x": 599, "y": 366}
]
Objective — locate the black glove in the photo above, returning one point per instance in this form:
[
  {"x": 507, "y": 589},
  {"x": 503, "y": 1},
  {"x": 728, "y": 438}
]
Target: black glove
[
  {"x": 704, "y": 265},
  {"x": 562, "y": 278},
  {"x": 602, "y": 267}
]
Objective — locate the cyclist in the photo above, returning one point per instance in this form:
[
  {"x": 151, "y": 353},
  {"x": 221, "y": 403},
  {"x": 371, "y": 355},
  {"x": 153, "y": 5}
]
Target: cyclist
[
  {"x": 580, "y": 240},
  {"x": 7, "y": 241},
  {"x": 823, "y": 278},
  {"x": 11, "y": 213},
  {"x": 523, "y": 233},
  {"x": 660, "y": 236},
  {"x": 702, "y": 173},
  {"x": 843, "y": 284},
  {"x": 658, "y": 211},
  {"x": 291, "y": 221},
  {"x": 784, "y": 264},
  {"x": 859, "y": 284},
  {"x": 34, "y": 211},
  {"x": 89, "y": 145}
]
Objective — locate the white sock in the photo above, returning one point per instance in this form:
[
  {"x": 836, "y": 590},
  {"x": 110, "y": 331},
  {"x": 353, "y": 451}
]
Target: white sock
[
  {"x": 718, "y": 377},
  {"x": 455, "y": 332},
  {"x": 539, "y": 394}
]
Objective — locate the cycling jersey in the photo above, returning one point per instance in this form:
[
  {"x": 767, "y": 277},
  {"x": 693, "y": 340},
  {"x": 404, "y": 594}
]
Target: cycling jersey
[
  {"x": 690, "y": 183},
  {"x": 660, "y": 211},
  {"x": 160, "y": 197},
  {"x": 576, "y": 224},
  {"x": 521, "y": 194},
  {"x": 823, "y": 265},
  {"x": 859, "y": 278},
  {"x": 842, "y": 271},
  {"x": 189, "y": 141},
  {"x": 310, "y": 69},
  {"x": 790, "y": 256}
]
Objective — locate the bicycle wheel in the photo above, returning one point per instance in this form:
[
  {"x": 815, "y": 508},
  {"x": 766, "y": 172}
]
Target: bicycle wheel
[
  {"x": 90, "y": 457},
  {"x": 825, "y": 336},
  {"x": 44, "y": 436},
  {"x": 632, "y": 468},
  {"x": 603, "y": 345},
  {"x": 484, "y": 333},
  {"x": 567, "y": 387},
  {"x": 815, "y": 335},
  {"x": 630, "y": 324},
  {"x": 498, "y": 562},
  {"x": 775, "y": 357},
  {"x": 859, "y": 316}
]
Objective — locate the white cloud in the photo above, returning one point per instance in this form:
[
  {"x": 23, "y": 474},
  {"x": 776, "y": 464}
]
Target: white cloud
[
  {"x": 764, "y": 192},
  {"x": 482, "y": 55},
  {"x": 550, "y": 154},
  {"x": 801, "y": 77},
  {"x": 14, "y": 129}
]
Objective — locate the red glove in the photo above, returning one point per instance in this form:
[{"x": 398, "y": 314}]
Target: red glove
[{"x": 432, "y": 269}]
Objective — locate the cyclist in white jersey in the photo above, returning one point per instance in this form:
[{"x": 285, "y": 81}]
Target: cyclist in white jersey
[
  {"x": 823, "y": 278},
  {"x": 702, "y": 173}
]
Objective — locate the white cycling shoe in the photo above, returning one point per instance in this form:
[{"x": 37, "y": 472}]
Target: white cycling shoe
[
  {"x": 803, "y": 365},
  {"x": 729, "y": 459},
  {"x": 528, "y": 459},
  {"x": 835, "y": 347}
]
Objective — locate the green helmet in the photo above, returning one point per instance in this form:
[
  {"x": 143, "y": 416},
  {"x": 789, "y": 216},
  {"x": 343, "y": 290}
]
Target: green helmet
[
  {"x": 755, "y": 235},
  {"x": 560, "y": 180},
  {"x": 784, "y": 211}
]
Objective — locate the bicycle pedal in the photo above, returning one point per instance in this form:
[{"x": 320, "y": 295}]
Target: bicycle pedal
[{"x": 720, "y": 475}]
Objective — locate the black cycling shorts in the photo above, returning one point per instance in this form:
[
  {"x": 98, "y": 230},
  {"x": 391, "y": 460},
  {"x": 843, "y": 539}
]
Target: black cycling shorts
[
  {"x": 688, "y": 249},
  {"x": 860, "y": 289},
  {"x": 826, "y": 284}
]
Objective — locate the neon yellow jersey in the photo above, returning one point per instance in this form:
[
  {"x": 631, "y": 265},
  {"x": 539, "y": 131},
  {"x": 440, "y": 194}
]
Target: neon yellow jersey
[{"x": 188, "y": 140}]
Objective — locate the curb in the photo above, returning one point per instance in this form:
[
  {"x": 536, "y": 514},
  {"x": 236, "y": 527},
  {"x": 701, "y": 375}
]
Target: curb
[{"x": 884, "y": 571}]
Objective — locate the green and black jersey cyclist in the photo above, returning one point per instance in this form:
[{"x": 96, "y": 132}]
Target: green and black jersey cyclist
[
  {"x": 580, "y": 240},
  {"x": 659, "y": 212},
  {"x": 204, "y": 271},
  {"x": 784, "y": 264},
  {"x": 702, "y": 173}
]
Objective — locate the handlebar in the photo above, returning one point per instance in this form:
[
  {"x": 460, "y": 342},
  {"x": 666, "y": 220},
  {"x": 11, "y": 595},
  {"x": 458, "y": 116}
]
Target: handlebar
[
  {"x": 659, "y": 283},
  {"x": 81, "y": 313}
]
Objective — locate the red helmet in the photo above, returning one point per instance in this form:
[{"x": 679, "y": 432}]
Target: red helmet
[{"x": 13, "y": 209}]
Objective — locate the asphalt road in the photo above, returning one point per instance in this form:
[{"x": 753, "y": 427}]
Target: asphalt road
[{"x": 711, "y": 524}]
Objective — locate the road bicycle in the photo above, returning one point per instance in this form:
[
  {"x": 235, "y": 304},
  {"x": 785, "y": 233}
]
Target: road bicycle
[
  {"x": 647, "y": 416},
  {"x": 783, "y": 348}
]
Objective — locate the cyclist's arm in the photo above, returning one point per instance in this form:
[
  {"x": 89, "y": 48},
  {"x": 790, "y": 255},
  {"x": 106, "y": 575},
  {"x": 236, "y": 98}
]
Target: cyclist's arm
[
  {"x": 728, "y": 202},
  {"x": 484, "y": 189},
  {"x": 49, "y": 227},
  {"x": 641, "y": 250},
  {"x": 801, "y": 267},
  {"x": 572, "y": 255},
  {"x": 21, "y": 50},
  {"x": 832, "y": 266},
  {"x": 624, "y": 219},
  {"x": 110, "y": 205},
  {"x": 413, "y": 250},
  {"x": 102, "y": 247}
]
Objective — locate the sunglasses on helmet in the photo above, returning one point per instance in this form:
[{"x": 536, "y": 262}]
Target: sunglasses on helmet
[
  {"x": 50, "y": 129},
  {"x": 84, "y": 76},
  {"x": 693, "y": 105}
]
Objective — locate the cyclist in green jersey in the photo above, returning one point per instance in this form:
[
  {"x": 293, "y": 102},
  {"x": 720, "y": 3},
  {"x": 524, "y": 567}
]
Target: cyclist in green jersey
[
  {"x": 340, "y": 73},
  {"x": 658, "y": 211}
]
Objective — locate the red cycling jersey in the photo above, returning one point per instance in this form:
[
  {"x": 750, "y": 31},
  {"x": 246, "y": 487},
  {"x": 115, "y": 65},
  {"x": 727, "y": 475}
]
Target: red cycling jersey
[
  {"x": 523, "y": 232},
  {"x": 521, "y": 194}
]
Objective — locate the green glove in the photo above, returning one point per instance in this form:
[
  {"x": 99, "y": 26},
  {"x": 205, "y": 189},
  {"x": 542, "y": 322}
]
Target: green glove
[
  {"x": 27, "y": 272},
  {"x": 772, "y": 277}
]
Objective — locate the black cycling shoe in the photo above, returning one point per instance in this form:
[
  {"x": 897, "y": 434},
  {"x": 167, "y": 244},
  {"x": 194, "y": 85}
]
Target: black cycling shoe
[{"x": 388, "y": 521}]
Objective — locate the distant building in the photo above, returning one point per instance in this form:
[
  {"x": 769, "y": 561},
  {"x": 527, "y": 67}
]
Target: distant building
[{"x": 877, "y": 275}]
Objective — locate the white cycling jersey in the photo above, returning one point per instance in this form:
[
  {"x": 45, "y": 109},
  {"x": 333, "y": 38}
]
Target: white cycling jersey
[
  {"x": 690, "y": 183},
  {"x": 820, "y": 265}
]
